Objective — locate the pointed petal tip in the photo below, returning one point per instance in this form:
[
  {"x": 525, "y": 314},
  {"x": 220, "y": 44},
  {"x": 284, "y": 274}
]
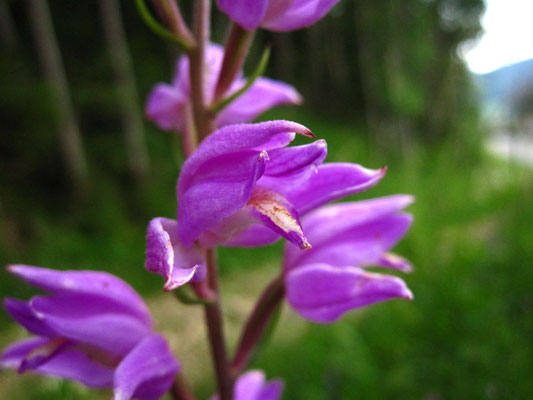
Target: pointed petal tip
[
  {"x": 407, "y": 294},
  {"x": 305, "y": 245},
  {"x": 171, "y": 284},
  {"x": 308, "y": 133}
]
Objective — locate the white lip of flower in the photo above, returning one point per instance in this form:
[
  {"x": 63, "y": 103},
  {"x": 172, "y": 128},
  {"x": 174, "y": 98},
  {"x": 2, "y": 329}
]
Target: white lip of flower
[{"x": 270, "y": 204}]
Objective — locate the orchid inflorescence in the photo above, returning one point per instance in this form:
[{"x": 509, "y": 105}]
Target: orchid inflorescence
[{"x": 241, "y": 186}]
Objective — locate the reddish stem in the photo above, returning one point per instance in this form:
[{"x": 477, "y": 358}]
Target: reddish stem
[
  {"x": 203, "y": 117},
  {"x": 213, "y": 317},
  {"x": 237, "y": 46},
  {"x": 263, "y": 311},
  {"x": 180, "y": 390}
]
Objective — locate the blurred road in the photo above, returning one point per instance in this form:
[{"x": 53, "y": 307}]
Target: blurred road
[{"x": 513, "y": 147}]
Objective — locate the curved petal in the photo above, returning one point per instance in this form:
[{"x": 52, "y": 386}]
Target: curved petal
[
  {"x": 223, "y": 187},
  {"x": 238, "y": 138},
  {"x": 25, "y": 316},
  {"x": 290, "y": 160},
  {"x": 300, "y": 14},
  {"x": 99, "y": 284},
  {"x": 165, "y": 107},
  {"x": 14, "y": 354},
  {"x": 276, "y": 213},
  {"x": 247, "y": 13},
  {"x": 361, "y": 246},
  {"x": 331, "y": 226},
  {"x": 331, "y": 182},
  {"x": 91, "y": 320},
  {"x": 262, "y": 96},
  {"x": 75, "y": 364},
  {"x": 393, "y": 261},
  {"x": 218, "y": 179},
  {"x": 147, "y": 372},
  {"x": 67, "y": 363},
  {"x": 323, "y": 293},
  {"x": 165, "y": 255}
]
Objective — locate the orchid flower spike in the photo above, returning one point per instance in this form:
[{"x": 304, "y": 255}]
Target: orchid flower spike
[
  {"x": 166, "y": 103},
  {"x": 276, "y": 15},
  {"x": 330, "y": 279},
  {"x": 92, "y": 328},
  {"x": 244, "y": 187},
  {"x": 253, "y": 386}
]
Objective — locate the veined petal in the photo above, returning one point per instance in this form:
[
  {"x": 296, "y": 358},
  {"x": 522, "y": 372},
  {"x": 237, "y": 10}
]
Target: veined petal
[
  {"x": 363, "y": 245},
  {"x": 91, "y": 320},
  {"x": 323, "y": 293},
  {"x": 99, "y": 284},
  {"x": 278, "y": 214},
  {"x": 333, "y": 181},
  {"x": 263, "y": 95},
  {"x": 147, "y": 372},
  {"x": 165, "y": 107},
  {"x": 246, "y": 13},
  {"x": 166, "y": 255},
  {"x": 301, "y": 13}
]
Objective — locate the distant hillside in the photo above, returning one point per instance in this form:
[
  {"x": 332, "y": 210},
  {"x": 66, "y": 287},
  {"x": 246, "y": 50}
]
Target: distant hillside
[{"x": 500, "y": 86}]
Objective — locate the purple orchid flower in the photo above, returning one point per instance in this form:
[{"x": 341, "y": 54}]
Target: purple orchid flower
[
  {"x": 244, "y": 187},
  {"x": 276, "y": 15},
  {"x": 166, "y": 103},
  {"x": 329, "y": 280},
  {"x": 253, "y": 386},
  {"x": 167, "y": 256},
  {"x": 92, "y": 328}
]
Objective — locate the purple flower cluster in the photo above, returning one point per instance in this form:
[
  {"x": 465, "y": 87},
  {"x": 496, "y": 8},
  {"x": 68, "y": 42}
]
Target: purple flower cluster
[
  {"x": 166, "y": 103},
  {"x": 243, "y": 186},
  {"x": 92, "y": 328}
]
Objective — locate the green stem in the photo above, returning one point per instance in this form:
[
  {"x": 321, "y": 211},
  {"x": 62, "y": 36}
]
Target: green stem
[
  {"x": 171, "y": 14},
  {"x": 159, "y": 29}
]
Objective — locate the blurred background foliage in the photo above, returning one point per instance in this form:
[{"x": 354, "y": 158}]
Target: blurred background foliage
[{"x": 384, "y": 86}]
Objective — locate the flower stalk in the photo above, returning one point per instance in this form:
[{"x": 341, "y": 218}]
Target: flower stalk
[
  {"x": 171, "y": 14},
  {"x": 237, "y": 46},
  {"x": 215, "y": 328},
  {"x": 181, "y": 390},
  {"x": 263, "y": 311},
  {"x": 203, "y": 118}
]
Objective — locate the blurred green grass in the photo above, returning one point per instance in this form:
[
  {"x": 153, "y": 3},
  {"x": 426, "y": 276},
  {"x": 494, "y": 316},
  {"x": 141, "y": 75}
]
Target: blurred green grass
[{"x": 467, "y": 334}]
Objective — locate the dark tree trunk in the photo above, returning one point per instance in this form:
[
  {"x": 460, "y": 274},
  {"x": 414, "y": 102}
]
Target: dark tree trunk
[{"x": 54, "y": 74}]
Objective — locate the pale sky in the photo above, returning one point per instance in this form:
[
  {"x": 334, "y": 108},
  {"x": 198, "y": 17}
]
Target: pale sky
[{"x": 508, "y": 37}]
